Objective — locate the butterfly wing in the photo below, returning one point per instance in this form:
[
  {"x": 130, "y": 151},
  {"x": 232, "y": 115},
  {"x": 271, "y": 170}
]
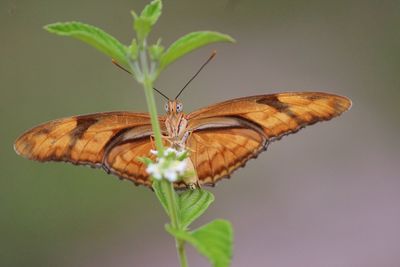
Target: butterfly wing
[
  {"x": 217, "y": 152},
  {"x": 110, "y": 140},
  {"x": 223, "y": 136},
  {"x": 226, "y": 135}
]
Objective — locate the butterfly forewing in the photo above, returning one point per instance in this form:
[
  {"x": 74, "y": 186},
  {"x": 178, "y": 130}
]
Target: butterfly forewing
[{"x": 94, "y": 140}]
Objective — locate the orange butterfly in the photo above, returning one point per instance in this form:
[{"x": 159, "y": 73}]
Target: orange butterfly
[{"x": 221, "y": 138}]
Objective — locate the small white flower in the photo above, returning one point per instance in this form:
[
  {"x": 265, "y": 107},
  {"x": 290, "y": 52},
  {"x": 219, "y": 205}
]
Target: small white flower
[
  {"x": 154, "y": 170},
  {"x": 161, "y": 162},
  {"x": 168, "y": 166},
  {"x": 171, "y": 175}
]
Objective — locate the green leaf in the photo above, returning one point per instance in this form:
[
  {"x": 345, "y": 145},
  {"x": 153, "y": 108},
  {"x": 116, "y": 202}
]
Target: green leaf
[
  {"x": 213, "y": 240},
  {"x": 161, "y": 194},
  {"x": 156, "y": 50},
  {"x": 149, "y": 16},
  {"x": 94, "y": 37},
  {"x": 152, "y": 11},
  {"x": 142, "y": 27},
  {"x": 133, "y": 50},
  {"x": 192, "y": 204},
  {"x": 190, "y": 42},
  {"x": 161, "y": 187}
]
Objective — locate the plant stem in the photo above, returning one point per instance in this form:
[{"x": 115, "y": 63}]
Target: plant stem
[
  {"x": 181, "y": 253},
  {"x": 173, "y": 214},
  {"x": 151, "y": 104},
  {"x": 168, "y": 187}
]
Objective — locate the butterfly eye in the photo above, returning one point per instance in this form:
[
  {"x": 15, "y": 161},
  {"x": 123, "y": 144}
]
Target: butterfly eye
[
  {"x": 166, "y": 107},
  {"x": 179, "y": 107}
]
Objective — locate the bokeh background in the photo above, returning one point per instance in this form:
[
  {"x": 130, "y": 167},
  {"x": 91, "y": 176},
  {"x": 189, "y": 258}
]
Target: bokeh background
[{"x": 327, "y": 196}]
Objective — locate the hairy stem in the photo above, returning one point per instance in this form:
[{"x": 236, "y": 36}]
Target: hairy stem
[{"x": 168, "y": 187}]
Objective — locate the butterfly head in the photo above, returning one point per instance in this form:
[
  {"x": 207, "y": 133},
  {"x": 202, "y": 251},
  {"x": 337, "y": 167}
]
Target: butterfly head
[{"x": 173, "y": 107}]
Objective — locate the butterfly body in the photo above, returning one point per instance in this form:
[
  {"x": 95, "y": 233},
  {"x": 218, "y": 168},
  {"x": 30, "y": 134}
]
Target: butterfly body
[
  {"x": 176, "y": 124},
  {"x": 220, "y": 138}
]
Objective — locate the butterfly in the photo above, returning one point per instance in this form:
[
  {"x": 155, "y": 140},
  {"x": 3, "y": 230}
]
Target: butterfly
[{"x": 221, "y": 137}]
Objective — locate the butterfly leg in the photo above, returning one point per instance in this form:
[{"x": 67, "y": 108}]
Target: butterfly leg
[
  {"x": 166, "y": 138},
  {"x": 194, "y": 186},
  {"x": 184, "y": 139},
  {"x": 153, "y": 145}
]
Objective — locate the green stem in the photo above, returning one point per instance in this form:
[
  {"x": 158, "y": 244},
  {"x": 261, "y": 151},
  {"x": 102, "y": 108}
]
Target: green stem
[
  {"x": 168, "y": 187},
  {"x": 180, "y": 244},
  {"x": 151, "y": 104},
  {"x": 173, "y": 214}
]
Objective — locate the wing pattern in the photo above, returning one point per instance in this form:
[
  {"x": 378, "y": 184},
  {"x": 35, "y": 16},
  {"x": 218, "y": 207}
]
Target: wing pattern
[
  {"x": 95, "y": 140},
  {"x": 218, "y": 152}
]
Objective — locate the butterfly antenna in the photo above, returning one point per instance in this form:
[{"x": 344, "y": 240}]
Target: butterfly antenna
[
  {"x": 166, "y": 97},
  {"x": 122, "y": 68},
  {"x": 194, "y": 76},
  {"x": 119, "y": 66}
]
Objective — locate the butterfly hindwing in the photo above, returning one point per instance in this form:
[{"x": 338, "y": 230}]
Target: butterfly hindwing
[
  {"x": 217, "y": 152},
  {"x": 122, "y": 158}
]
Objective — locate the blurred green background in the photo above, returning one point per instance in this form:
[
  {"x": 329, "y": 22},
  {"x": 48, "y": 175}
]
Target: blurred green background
[{"x": 327, "y": 196}]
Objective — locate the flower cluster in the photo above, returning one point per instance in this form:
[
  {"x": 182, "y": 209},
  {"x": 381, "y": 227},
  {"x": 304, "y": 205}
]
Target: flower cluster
[{"x": 170, "y": 164}]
